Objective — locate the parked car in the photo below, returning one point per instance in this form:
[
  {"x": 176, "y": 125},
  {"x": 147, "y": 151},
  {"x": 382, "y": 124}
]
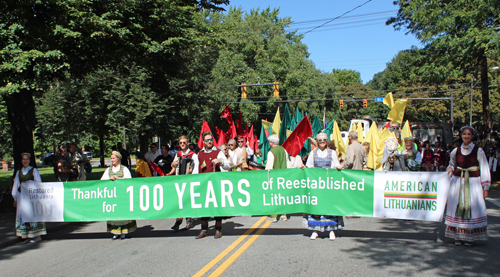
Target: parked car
[
  {"x": 48, "y": 158},
  {"x": 88, "y": 154}
]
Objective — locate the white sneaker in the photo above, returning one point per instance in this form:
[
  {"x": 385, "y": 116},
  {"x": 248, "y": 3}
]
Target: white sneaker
[
  {"x": 283, "y": 217},
  {"x": 272, "y": 219},
  {"x": 332, "y": 235},
  {"x": 314, "y": 236}
]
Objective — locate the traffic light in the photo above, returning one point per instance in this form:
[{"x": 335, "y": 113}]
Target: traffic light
[
  {"x": 243, "y": 91},
  {"x": 341, "y": 104},
  {"x": 276, "y": 89},
  {"x": 365, "y": 103}
]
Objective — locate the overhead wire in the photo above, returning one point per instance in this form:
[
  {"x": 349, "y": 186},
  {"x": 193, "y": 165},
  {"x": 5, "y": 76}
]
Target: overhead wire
[
  {"x": 387, "y": 90},
  {"x": 337, "y": 17}
]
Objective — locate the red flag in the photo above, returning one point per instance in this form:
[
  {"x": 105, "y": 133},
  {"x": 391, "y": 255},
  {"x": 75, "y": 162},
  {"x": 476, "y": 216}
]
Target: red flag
[
  {"x": 238, "y": 126},
  {"x": 296, "y": 140},
  {"x": 221, "y": 135},
  {"x": 156, "y": 168},
  {"x": 250, "y": 137},
  {"x": 388, "y": 125},
  {"x": 204, "y": 128},
  {"x": 246, "y": 131},
  {"x": 226, "y": 113}
]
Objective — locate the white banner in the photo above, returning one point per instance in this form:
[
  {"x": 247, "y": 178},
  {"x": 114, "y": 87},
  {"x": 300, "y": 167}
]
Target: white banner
[
  {"x": 42, "y": 202},
  {"x": 410, "y": 195}
]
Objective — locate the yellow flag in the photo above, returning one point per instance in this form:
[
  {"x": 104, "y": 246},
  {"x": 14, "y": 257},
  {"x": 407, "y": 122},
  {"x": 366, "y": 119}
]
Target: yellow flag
[
  {"x": 266, "y": 124},
  {"x": 406, "y": 132},
  {"x": 142, "y": 167},
  {"x": 276, "y": 123},
  {"x": 388, "y": 100},
  {"x": 360, "y": 132},
  {"x": 398, "y": 111},
  {"x": 381, "y": 144},
  {"x": 353, "y": 128},
  {"x": 337, "y": 139},
  {"x": 373, "y": 138},
  {"x": 288, "y": 133}
]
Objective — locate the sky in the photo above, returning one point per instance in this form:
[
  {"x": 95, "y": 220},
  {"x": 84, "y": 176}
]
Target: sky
[{"x": 358, "y": 40}]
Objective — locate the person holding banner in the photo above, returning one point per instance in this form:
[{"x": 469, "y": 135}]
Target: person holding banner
[
  {"x": 323, "y": 157},
  {"x": 31, "y": 231},
  {"x": 466, "y": 219},
  {"x": 236, "y": 155},
  {"x": 118, "y": 171},
  {"x": 210, "y": 160}
]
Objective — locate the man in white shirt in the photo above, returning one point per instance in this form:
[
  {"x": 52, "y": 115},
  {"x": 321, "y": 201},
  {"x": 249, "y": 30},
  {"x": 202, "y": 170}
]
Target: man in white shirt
[{"x": 153, "y": 153}]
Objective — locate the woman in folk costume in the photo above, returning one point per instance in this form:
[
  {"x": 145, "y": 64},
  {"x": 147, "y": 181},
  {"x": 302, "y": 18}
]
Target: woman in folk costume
[
  {"x": 322, "y": 157},
  {"x": 412, "y": 157},
  {"x": 31, "y": 231},
  {"x": 470, "y": 182},
  {"x": 427, "y": 157},
  {"x": 118, "y": 171}
]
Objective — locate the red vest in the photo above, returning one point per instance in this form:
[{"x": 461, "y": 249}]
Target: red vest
[
  {"x": 467, "y": 161},
  {"x": 206, "y": 164}
]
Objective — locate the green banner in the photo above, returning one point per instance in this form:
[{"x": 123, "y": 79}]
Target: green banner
[{"x": 285, "y": 191}]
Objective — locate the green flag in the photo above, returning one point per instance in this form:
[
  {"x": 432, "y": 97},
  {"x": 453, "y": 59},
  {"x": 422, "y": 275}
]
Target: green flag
[
  {"x": 285, "y": 124},
  {"x": 316, "y": 126},
  {"x": 263, "y": 143},
  {"x": 329, "y": 129}
]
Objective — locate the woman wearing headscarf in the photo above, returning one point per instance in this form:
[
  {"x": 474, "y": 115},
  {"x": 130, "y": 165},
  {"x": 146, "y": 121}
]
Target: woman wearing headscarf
[
  {"x": 466, "y": 219},
  {"x": 323, "y": 157},
  {"x": 31, "y": 231},
  {"x": 114, "y": 172}
]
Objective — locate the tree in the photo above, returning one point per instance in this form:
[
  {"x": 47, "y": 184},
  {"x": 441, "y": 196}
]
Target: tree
[
  {"x": 43, "y": 41},
  {"x": 347, "y": 77},
  {"x": 460, "y": 34}
]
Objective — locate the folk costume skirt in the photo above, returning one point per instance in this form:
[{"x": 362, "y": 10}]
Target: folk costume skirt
[{"x": 466, "y": 229}]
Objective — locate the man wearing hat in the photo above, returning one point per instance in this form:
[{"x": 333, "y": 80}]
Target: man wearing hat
[{"x": 412, "y": 157}]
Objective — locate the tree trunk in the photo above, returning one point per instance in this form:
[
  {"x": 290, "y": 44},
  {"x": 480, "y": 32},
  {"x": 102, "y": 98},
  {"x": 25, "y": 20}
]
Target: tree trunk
[
  {"x": 101, "y": 150},
  {"x": 483, "y": 64},
  {"x": 21, "y": 115},
  {"x": 143, "y": 143}
]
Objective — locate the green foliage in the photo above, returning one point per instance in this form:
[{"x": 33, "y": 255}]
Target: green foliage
[
  {"x": 5, "y": 132},
  {"x": 458, "y": 36},
  {"x": 347, "y": 77}
]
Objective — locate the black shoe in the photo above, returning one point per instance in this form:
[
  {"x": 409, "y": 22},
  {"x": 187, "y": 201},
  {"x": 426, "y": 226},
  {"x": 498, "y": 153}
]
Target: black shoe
[{"x": 175, "y": 227}]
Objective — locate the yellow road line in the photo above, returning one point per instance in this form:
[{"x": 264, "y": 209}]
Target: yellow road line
[
  {"x": 238, "y": 252},
  {"x": 229, "y": 248}
]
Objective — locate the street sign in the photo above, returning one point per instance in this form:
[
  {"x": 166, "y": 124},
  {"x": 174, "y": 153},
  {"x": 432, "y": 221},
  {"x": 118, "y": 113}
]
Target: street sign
[{"x": 379, "y": 99}]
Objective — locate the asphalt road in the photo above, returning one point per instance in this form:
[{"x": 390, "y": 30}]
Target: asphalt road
[{"x": 366, "y": 247}]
